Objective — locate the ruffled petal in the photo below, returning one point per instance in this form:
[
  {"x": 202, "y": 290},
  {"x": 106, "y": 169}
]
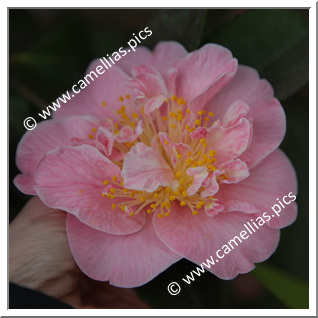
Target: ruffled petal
[
  {"x": 71, "y": 179},
  {"x": 123, "y": 260}
]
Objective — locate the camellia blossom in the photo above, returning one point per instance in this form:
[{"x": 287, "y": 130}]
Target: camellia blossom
[{"x": 164, "y": 157}]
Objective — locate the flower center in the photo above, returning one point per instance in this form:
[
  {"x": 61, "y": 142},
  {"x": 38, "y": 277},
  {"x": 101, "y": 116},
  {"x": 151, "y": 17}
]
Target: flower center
[{"x": 177, "y": 142}]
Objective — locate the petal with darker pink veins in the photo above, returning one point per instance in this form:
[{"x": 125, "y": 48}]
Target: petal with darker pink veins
[
  {"x": 71, "y": 179},
  {"x": 145, "y": 169}
]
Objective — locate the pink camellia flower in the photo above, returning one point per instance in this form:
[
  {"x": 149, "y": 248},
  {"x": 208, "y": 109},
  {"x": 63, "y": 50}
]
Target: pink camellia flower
[{"x": 165, "y": 156}]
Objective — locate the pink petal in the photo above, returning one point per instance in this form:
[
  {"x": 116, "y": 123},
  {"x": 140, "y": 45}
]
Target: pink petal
[
  {"x": 165, "y": 53},
  {"x": 272, "y": 179},
  {"x": 235, "y": 112},
  {"x": 71, "y": 179},
  {"x": 144, "y": 169},
  {"x": 107, "y": 88},
  {"x": 199, "y": 174},
  {"x": 154, "y": 103},
  {"x": 198, "y": 237},
  {"x": 240, "y": 206},
  {"x": 123, "y": 260},
  {"x": 47, "y": 136},
  {"x": 235, "y": 171},
  {"x": 199, "y": 133},
  {"x": 214, "y": 208},
  {"x": 211, "y": 184},
  {"x": 142, "y": 55},
  {"x": 266, "y": 112},
  {"x": 127, "y": 134},
  {"x": 105, "y": 138},
  {"x": 230, "y": 142},
  {"x": 212, "y": 64}
]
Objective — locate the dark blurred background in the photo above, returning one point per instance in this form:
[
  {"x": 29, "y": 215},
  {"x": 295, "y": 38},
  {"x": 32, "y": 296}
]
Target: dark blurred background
[{"x": 49, "y": 50}]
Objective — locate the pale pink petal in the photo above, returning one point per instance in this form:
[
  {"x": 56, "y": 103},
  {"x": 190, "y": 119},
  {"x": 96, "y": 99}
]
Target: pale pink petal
[
  {"x": 272, "y": 179},
  {"x": 199, "y": 174},
  {"x": 142, "y": 55},
  {"x": 212, "y": 64},
  {"x": 235, "y": 171},
  {"x": 240, "y": 206},
  {"x": 123, "y": 260},
  {"x": 154, "y": 103},
  {"x": 71, "y": 179},
  {"x": 47, "y": 136},
  {"x": 235, "y": 112},
  {"x": 144, "y": 169},
  {"x": 213, "y": 208},
  {"x": 105, "y": 138},
  {"x": 268, "y": 116},
  {"x": 211, "y": 184},
  {"x": 153, "y": 85},
  {"x": 230, "y": 142},
  {"x": 127, "y": 134},
  {"x": 140, "y": 69},
  {"x": 199, "y": 133},
  {"x": 167, "y": 52},
  {"x": 199, "y": 237},
  {"x": 104, "y": 90}
]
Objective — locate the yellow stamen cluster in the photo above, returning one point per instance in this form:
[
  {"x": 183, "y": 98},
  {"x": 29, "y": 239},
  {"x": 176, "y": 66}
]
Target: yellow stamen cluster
[{"x": 177, "y": 123}]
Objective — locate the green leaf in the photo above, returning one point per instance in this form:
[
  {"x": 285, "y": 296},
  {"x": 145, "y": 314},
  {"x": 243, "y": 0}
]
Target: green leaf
[
  {"x": 289, "y": 290},
  {"x": 275, "y": 42},
  {"x": 184, "y": 26}
]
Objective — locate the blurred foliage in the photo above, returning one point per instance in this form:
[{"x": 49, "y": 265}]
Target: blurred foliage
[{"x": 51, "y": 48}]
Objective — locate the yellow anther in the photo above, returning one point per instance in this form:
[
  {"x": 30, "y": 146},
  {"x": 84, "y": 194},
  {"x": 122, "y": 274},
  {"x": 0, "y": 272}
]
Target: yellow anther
[
  {"x": 94, "y": 129},
  {"x": 181, "y": 181},
  {"x": 116, "y": 131},
  {"x": 103, "y": 195},
  {"x": 173, "y": 115},
  {"x": 212, "y": 153},
  {"x": 178, "y": 174},
  {"x": 121, "y": 98},
  {"x": 91, "y": 136},
  {"x": 187, "y": 126},
  {"x": 164, "y": 118},
  {"x": 122, "y": 182},
  {"x": 184, "y": 193},
  {"x": 212, "y": 160},
  {"x": 110, "y": 196},
  {"x": 194, "y": 212},
  {"x": 166, "y": 142},
  {"x": 204, "y": 145},
  {"x": 198, "y": 122},
  {"x": 189, "y": 153},
  {"x": 198, "y": 206},
  {"x": 188, "y": 111},
  {"x": 179, "y": 111},
  {"x": 114, "y": 178},
  {"x": 182, "y": 203},
  {"x": 180, "y": 117},
  {"x": 189, "y": 161},
  {"x": 168, "y": 190},
  {"x": 173, "y": 126},
  {"x": 125, "y": 190},
  {"x": 128, "y": 96},
  {"x": 132, "y": 194},
  {"x": 203, "y": 112},
  {"x": 142, "y": 110},
  {"x": 135, "y": 115},
  {"x": 106, "y": 182},
  {"x": 200, "y": 112},
  {"x": 212, "y": 167},
  {"x": 156, "y": 195},
  {"x": 199, "y": 152},
  {"x": 202, "y": 203},
  {"x": 128, "y": 144},
  {"x": 149, "y": 211},
  {"x": 131, "y": 214},
  {"x": 206, "y": 118},
  {"x": 160, "y": 215},
  {"x": 167, "y": 213},
  {"x": 142, "y": 199},
  {"x": 202, "y": 140},
  {"x": 103, "y": 104},
  {"x": 153, "y": 205},
  {"x": 172, "y": 198},
  {"x": 123, "y": 208},
  {"x": 211, "y": 114},
  {"x": 113, "y": 206},
  {"x": 178, "y": 156},
  {"x": 112, "y": 190},
  {"x": 173, "y": 97},
  {"x": 199, "y": 162}
]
